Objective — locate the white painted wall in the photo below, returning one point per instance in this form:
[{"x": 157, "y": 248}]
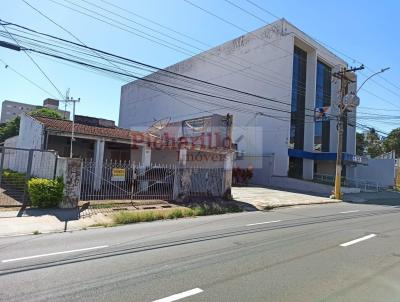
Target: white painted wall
[
  {"x": 381, "y": 171},
  {"x": 259, "y": 62},
  {"x": 30, "y": 136}
]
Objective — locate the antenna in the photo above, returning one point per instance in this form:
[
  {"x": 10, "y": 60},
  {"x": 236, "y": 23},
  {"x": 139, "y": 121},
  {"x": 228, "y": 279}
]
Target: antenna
[{"x": 158, "y": 125}]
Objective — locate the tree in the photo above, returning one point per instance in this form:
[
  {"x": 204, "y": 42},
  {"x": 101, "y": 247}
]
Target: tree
[
  {"x": 374, "y": 143},
  {"x": 392, "y": 141},
  {"x": 11, "y": 128},
  {"x": 360, "y": 143},
  {"x": 47, "y": 112}
]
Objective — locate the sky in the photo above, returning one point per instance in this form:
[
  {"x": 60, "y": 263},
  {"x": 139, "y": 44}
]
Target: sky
[{"x": 359, "y": 31}]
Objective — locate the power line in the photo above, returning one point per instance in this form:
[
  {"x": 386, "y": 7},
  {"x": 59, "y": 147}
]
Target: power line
[
  {"x": 160, "y": 69},
  {"x": 36, "y": 64},
  {"x": 7, "y": 66}
]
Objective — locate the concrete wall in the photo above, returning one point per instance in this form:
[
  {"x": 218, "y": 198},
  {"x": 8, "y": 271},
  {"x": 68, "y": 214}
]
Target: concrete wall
[
  {"x": 30, "y": 137},
  {"x": 260, "y": 63},
  {"x": 381, "y": 171},
  {"x": 30, "y": 133}
]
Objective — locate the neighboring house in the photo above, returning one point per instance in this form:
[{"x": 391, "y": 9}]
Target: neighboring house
[
  {"x": 279, "y": 62},
  {"x": 11, "y": 109},
  {"x": 170, "y": 159}
]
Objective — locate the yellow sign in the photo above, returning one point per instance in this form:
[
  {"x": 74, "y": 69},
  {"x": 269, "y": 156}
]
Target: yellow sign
[{"x": 118, "y": 174}]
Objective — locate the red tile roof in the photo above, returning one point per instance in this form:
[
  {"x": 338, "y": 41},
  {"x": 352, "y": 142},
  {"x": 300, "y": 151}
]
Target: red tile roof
[{"x": 116, "y": 132}]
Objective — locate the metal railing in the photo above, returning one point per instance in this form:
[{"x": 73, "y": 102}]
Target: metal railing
[
  {"x": 126, "y": 180},
  {"x": 362, "y": 184},
  {"x": 17, "y": 166}
]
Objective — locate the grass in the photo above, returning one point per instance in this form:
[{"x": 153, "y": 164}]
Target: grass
[
  {"x": 36, "y": 232},
  {"x": 126, "y": 217}
]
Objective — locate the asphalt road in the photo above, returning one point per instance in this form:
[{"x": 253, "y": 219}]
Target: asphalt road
[{"x": 334, "y": 252}]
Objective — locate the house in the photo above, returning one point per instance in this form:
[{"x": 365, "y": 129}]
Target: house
[
  {"x": 106, "y": 151},
  {"x": 292, "y": 133}
]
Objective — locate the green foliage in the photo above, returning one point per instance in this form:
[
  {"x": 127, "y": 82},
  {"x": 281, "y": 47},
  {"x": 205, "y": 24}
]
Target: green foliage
[
  {"x": 47, "y": 112},
  {"x": 360, "y": 143},
  {"x": 374, "y": 143},
  {"x": 215, "y": 209},
  {"x": 392, "y": 142},
  {"x": 45, "y": 193},
  {"x": 126, "y": 217},
  {"x": 9, "y": 129},
  {"x": 15, "y": 179}
]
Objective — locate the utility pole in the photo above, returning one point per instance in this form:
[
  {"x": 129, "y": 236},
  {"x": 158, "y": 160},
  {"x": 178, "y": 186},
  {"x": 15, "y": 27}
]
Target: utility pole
[
  {"x": 66, "y": 101},
  {"x": 346, "y": 103},
  {"x": 73, "y": 122}
]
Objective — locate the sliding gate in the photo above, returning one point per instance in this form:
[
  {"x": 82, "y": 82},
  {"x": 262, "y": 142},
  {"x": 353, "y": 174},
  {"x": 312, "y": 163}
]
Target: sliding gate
[{"x": 125, "y": 180}]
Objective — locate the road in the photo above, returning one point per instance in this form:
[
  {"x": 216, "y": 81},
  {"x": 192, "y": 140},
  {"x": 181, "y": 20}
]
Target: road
[{"x": 333, "y": 252}]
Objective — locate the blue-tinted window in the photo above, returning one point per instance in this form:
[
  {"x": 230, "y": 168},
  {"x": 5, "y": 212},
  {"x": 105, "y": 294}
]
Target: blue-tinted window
[{"x": 322, "y": 99}]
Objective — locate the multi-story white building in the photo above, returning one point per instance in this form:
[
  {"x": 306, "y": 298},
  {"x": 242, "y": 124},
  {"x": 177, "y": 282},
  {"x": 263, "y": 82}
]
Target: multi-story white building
[
  {"x": 11, "y": 109},
  {"x": 292, "y": 74}
]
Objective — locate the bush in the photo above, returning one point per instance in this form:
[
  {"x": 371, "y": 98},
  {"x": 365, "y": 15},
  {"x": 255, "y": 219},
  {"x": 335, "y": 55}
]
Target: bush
[
  {"x": 241, "y": 176},
  {"x": 15, "y": 179},
  {"x": 45, "y": 193}
]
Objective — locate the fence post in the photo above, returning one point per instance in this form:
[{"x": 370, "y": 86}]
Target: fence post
[
  {"x": 28, "y": 174},
  {"x": 55, "y": 165},
  {"x": 3, "y": 149},
  {"x": 227, "y": 176},
  {"x": 179, "y": 173},
  {"x": 72, "y": 183}
]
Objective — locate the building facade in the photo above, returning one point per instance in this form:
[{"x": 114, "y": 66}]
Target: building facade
[
  {"x": 275, "y": 132},
  {"x": 11, "y": 109}
]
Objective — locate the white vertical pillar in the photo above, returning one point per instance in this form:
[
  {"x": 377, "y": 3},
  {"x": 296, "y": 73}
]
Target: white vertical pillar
[
  {"x": 146, "y": 156},
  {"x": 99, "y": 158},
  {"x": 182, "y": 157},
  {"x": 179, "y": 173},
  {"x": 309, "y": 126},
  {"x": 146, "y": 161},
  {"x": 227, "y": 176}
]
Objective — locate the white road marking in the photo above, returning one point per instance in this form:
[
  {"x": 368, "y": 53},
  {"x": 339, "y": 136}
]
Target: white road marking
[
  {"x": 182, "y": 295},
  {"x": 345, "y": 212},
  {"x": 266, "y": 222},
  {"x": 358, "y": 240},
  {"x": 56, "y": 253}
]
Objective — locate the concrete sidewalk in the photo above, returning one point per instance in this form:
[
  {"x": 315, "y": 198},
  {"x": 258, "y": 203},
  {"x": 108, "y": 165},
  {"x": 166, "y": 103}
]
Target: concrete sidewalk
[
  {"x": 47, "y": 222},
  {"x": 267, "y": 198}
]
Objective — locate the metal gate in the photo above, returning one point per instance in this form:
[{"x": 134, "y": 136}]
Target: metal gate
[
  {"x": 17, "y": 166},
  {"x": 117, "y": 180}
]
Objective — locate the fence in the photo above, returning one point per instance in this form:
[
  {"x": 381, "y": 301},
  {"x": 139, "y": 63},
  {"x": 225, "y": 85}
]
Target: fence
[
  {"x": 133, "y": 181},
  {"x": 17, "y": 166},
  {"x": 362, "y": 184}
]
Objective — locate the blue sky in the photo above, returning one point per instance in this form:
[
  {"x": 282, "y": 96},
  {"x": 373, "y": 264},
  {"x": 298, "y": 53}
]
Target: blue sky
[{"x": 364, "y": 30}]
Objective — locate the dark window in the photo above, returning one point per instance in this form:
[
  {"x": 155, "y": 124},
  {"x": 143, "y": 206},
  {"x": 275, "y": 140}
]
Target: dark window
[
  {"x": 298, "y": 99},
  {"x": 295, "y": 167},
  {"x": 322, "y": 99}
]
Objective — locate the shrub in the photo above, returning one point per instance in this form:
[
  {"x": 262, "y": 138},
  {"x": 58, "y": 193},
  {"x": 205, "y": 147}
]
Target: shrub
[
  {"x": 15, "y": 179},
  {"x": 241, "y": 176},
  {"x": 45, "y": 193}
]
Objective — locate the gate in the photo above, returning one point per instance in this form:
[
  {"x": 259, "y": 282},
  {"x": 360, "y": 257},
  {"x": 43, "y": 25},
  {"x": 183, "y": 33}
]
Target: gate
[
  {"x": 117, "y": 180},
  {"x": 17, "y": 166}
]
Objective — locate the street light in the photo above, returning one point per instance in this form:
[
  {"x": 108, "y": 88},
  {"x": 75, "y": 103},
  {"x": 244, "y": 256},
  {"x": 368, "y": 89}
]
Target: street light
[{"x": 372, "y": 75}]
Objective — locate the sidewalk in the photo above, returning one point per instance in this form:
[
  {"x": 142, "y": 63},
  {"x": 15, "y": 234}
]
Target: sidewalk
[
  {"x": 266, "y": 198},
  {"x": 46, "y": 221}
]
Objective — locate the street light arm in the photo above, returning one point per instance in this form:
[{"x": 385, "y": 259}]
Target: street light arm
[{"x": 372, "y": 75}]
